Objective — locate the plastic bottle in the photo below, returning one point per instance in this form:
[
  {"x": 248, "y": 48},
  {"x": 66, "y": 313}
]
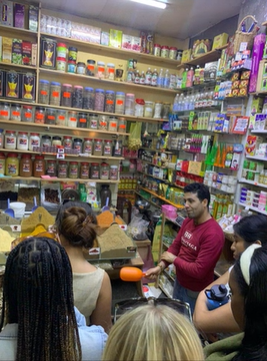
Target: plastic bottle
[
  {"x": 196, "y": 76},
  {"x": 189, "y": 78},
  {"x": 184, "y": 78},
  {"x": 148, "y": 77},
  {"x": 137, "y": 77},
  {"x": 160, "y": 80},
  {"x": 166, "y": 82},
  {"x": 175, "y": 107},
  {"x": 154, "y": 79},
  {"x": 143, "y": 78},
  {"x": 182, "y": 102}
]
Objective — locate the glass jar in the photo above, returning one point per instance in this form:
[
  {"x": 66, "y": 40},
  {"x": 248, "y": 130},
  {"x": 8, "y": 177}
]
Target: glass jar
[
  {"x": 2, "y": 163},
  {"x": 88, "y": 146},
  {"x": 173, "y": 53},
  {"x": 157, "y": 49},
  {"x": 88, "y": 98},
  {"x": 73, "y": 170},
  {"x": 34, "y": 141},
  {"x": 100, "y": 69},
  {"x": 110, "y": 101},
  {"x": 110, "y": 71},
  {"x": 102, "y": 122},
  {"x": 120, "y": 103},
  {"x": 5, "y": 111},
  {"x": 77, "y": 145},
  {"x": 71, "y": 67},
  {"x": 104, "y": 171},
  {"x": 158, "y": 110},
  {"x": 72, "y": 119},
  {"x": 165, "y": 51},
  {"x": 77, "y": 97},
  {"x": 93, "y": 121},
  {"x": 148, "y": 111},
  {"x": 38, "y": 166},
  {"x": 22, "y": 141},
  {"x": 117, "y": 149},
  {"x": 66, "y": 97},
  {"x": 62, "y": 169},
  {"x": 50, "y": 116},
  {"x": 56, "y": 141},
  {"x": 39, "y": 115},
  {"x": 166, "y": 110},
  {"x": 121, "y": 125},
  {"x": 179, "y": 55},
  {"x": 12, "y": 165},
  {"x": 82, "y": 120},
  {"x": 15, "y": 113},
  {"x": 99, "y": 100},
  {"x": 27, "y": 113},
  {"x": 139, "y": 107},
  {"x": 67, "y": 142},
  {"x": 90, "y": 67},
  {"x": 129, "y": 104},
  {"x": 61, "y": 117},
  {"x": 81, "y": 68},
  {"x": 25, "y": 166},
  {"x": 107, "y": 147},
  {"x": 113, "y": 124},
  {"x": 51, "y": 168},
  {"x": 10, "y": 139},
  {"x": 97, "y": 147},
  {"x": 44, "y": 91},
  {"x": 45, "y": 142},
  {"x": 55, "y": 93},
  {"x": 94, "y": 171},
  {"x": 113, "y": 172},
  {"x": 84, "y": 170}
]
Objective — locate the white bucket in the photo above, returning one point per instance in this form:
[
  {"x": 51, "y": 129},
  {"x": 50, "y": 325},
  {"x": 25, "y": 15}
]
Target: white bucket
[{"x": 18, "y": 208}]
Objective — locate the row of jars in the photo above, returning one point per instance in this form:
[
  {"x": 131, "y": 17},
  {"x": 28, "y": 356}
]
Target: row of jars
[
  {"x": 45, "y": 143},
  {"x": 25, "y": 166}
]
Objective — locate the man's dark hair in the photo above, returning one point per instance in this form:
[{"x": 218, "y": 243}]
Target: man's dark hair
[{"x": 200, "y": 190}]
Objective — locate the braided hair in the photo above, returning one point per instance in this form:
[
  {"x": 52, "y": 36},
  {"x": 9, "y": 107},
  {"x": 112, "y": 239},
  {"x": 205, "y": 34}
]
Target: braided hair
[{"x": 38, "y": 297}]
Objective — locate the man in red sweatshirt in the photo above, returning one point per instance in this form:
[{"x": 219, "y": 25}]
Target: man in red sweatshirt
[{"x": 196, "y": 249}]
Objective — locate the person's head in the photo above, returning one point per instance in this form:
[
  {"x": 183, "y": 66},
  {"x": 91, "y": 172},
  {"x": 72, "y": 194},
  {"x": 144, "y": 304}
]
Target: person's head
[
  {"x": 38, "y": 297},
  {"x": 250, "y": 229},
  {"x": 153, "y": 333},
  {"x": 196, "y": 199},
  {"x": 68, "y": 204}
]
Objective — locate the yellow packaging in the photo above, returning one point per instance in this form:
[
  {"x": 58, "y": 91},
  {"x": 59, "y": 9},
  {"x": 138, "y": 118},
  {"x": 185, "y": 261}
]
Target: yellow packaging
[
  {"x": 194, "y": 168},
  {"x": 186, "y": 55},
  {"x": 6, "y": 50},
  {"x": 115, "y": 38},
  {"x": 220, "y": 40}
]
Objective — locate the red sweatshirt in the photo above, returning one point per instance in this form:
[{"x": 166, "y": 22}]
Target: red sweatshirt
[{"x": 198, "y": 248}]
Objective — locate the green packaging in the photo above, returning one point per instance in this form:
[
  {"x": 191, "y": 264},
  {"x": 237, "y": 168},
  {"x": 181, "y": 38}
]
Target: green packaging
[{"x": 16, "y": 51}]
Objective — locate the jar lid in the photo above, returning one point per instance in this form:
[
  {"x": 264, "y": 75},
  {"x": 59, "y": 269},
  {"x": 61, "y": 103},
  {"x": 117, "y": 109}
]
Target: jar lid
[
  {"x": 90, "y": 139},
  {"x": 87, "y": 88},
  {"x": 72, "y": 48},
  {"x": 12, "y": 155},
  {"x": 45, "y": 136},
  {"x": 114, "y": 166},
  {"x": 111, "y": 65},
  {"x": 99, "y": 90},
  {"x": 71, "y": 62},
  {"x": 165, "y": 47},
  {"x": 95, "y": 164},
  {"x": 173, "y": 48},
  {"x": 67, "y": 85},
  {"x": 35, "y": 134},
  {"x": 23, "y": 133},
  {"x": 84, "y": 163},
  {"x": 108, "y": 141},
  {"x": 78, "y": 87},
  {"x": 10, "y": 131},
  {"x": 27, "y": 107},
  {"x": 157, "y": 46},
  {"x": 130, "y": 95},
  {"x": 100, "y": 63},
  {"x": 43, "y": 81},
  {"x": 98, "y": 140},
  {"x": 110, "y": 92},
  {"x": 74, "y": 163},
  {"x": 56, "y": 137},
  {"x": 62, "y": 45},
  {"x": 67, "y": 137},
  {"x": 60, "y": 58},
  {"x": 62, "y": 162},
  {"x": 16, "y": 104},
  {"x": 104, "y": 164},
  {"x": 77, "y": 140},
  {"x": 90, "y": 61},
  {"x": 80, "y": 63},
  {"x": 7, "y": 104},
  {"x": 120, "y": 93},
  {"x": 140, "y": 101},
  {"x": 55, "y": 83},
  {"x": 39, "y": 157},
  {"x": 26, "y": 156}
]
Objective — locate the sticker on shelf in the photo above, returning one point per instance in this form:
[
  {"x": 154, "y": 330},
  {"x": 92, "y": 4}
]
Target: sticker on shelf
[
  {"x": 60, "y": 156},
  {"x": 15, "y": 228}
]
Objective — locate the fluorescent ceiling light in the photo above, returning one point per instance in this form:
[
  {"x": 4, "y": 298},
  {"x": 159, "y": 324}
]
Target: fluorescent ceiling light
[{"x": 154, "y": 3}]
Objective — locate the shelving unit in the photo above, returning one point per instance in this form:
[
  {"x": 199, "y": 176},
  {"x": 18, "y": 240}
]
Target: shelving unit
[
  {"x": 210, "y": 56},
  {"x": 252, "y": 208},
  {"x": 148, "y": 200},
  {"x": 256, "y": 184},
  {"x": 162, "y": 198},
  {"x": 149, "y": 175},
  {"x": 55, "y": 179}
]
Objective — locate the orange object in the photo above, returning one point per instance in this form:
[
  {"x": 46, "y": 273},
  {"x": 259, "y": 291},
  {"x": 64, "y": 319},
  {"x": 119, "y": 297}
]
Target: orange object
[{"x": 131, "y": 274}]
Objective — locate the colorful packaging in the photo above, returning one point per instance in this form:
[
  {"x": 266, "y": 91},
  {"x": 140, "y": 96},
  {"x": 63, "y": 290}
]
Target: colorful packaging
[
  {"x": 259, "y": 42},
  {"x": 115, "y": 38},
  {"x": 19, "y": 16},
  {"x": 26, "y": 52},
  {"x": 136, "y": 43},
  {"x": 33, "y": 18},
  {"x": 186, "y": 55},
  {"x": 6, "y": 8},
  {"x": 219, "y": 40},
  {"x": 16, "y": 51},
  {"x": 126, "y": 42},
  {"x": 7, "y": 50},
  {"x": 104, "y": 38}
]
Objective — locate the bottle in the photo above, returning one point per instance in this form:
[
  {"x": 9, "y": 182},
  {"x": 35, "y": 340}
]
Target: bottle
[
  {"x": 175, "y": 107},
  {"x": 148, "y": 77},
  {"x": 184, "y": 78},
  {"x": 216, "y": 296},
  {"x": 160, "y": 79},
  {"x": 105, "y": 193},
  {"x": 137, "y": 77},
  {"x": 154, "y": 79},
  {"x": 196, "y": 76},
  {"x": 166, "y": 82},
  {"x": 189, "y": 78},
  {"x": 143, "y": 78}
]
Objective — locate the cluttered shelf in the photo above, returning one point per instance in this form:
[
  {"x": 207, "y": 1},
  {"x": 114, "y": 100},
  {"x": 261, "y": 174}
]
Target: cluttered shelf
[
  {"x": 56, "y": 179},
  {"x": 162, "y": 198},
  {"x": 148, "y": 200}
]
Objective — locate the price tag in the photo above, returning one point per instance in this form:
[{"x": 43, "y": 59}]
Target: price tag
[
  {"x": 123, "y": 227},
  {"x": 15, "y": 227},
  {"x": 60, "y": 156}
]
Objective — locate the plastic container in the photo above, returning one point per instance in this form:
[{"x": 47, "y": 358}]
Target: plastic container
[
  {"x": 61, "y": 50},
  {"x": 100, "y": 69},
  {"x": 15, "y": 112},
  {"x": 45, "y": 142},
  {"x": 139, "y": 107},
  {"x": 77, "y": 97},
  {"x": 61, "y": 117},
  {"x": 90, "y": 70},
  {"x": 71, "y": 67},
  {"x": 158, "y": 110},
  {"x": 25, "y": 165},
  {"x": 88, "y": 98},
  {"x": 110, "y": 101},
  {"x": 18, "y": 208},
  {"x": 62, "y": 169},
  {"x": 129, "y": 104},
  {"x": 122, "y": 125},
  {"x": 61, "y": 64},
  {"x": 88, "y": 146},
  {"x": 77, "y": 145},
  {"x": 94, "y": 171},
  {"x": 50, "y": 116},
  {"x": 38, "y": 166},
  {"x": 72, "y": 119},
  {"x": 51, "y": 168},
  {"x": 165, "y": 50},
  {"x": 113, "y": 124},
  {"x": 107, "y": 149},
  {"x": 169, "y": 211},
  {"x": 93, "y": 121},
  {"x": 12, "y": 165},
  {"x": 56, "y": 141},
  {"x": 34, "y": 141},
  {"x": 55, "y": 93},
  {"x": 84, "y": 170},
  {"x": 97, "y": 150},
  {"x": 113, "y": 174},
  {"x": 72, "y": 54},
  {"x": 149, "y": 109},
  {"x": 27, "y": 114},
  {"x": 99, "y": 100},
  {"x": 82, "y": 120},
  {"x": 166, "y": 110},
  {"x": 173, "y": 53},
  {"x": 110, "y": 71},
  {"x": 22, "y": 141},
  {"x": 157, "y": 50},
  {"x": 66, "y": 97},
  {"x": 10, "y": 139},
  {"x": 120, "y": 103},
  {"x": 39, "y": 116},
  {"x": 44, "y": 91},
  {"x": 102, "y": 122},
  {"x": 73, "y": 170},
  {"x": 104, "y": 171},
  {"x": 67, "y": 142},
  {"x": 81, "y": 68}
]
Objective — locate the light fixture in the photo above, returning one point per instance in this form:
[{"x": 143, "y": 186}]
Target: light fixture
[{"x": 154, "y": 3}]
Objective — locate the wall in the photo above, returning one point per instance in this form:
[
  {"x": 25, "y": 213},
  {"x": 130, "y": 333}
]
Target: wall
[{"x": 257, "y": 8}]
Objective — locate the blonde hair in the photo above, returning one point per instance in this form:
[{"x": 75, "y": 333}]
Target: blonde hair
[{"x": 153, "y": 333}]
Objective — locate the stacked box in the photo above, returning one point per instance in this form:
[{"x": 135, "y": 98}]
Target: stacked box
[
  {"x": 16, "y": 51},
  {"x": 19, "y": 16},
  {"x": 6, "y": 16}
]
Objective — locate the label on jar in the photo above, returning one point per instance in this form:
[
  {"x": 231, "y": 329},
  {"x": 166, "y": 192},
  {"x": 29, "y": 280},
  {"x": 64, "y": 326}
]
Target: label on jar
[
  {"x": 82, "y": 120},
  {"x": 84, "y": 173},
  {"x": 43, "y": 92},
  {"x": 16, "y": 114},
  {"x": 23, "y": 142},
  {"x": 34, "y": 142},
  {"x": 73, "y": 119},
  {"x": 78, "y": 147},
  {"x": 104, "y": 174},
  {"x": 113, "y": 174},
  {"x": 10, "y": 141},
  {"x": 110, "y": 102},
  {"x": 95, "y": 174},
  {"x": 119, "y": 102},
  {"x": 98, "y": 147},
  {"x": 94, "y": 124},
  {"x": 117, "y": 152},
  {"x": 74, "y": 171},
  {"x": 107, "y": 149},
  {"x": 61, "y": 117},
  {"x": 55, "y": 94},
  {"x": 67, "y": 144},
  {"x": 113, "y": 125},
  {"x": 51, "y": 117},
  {"x": 12, "y": 168},
  {"x": 40, "y": 116},
  {"x": 39, "y": 167},
  {"x": 62, "y": 173},
  {"x": 26, "y": 168},
  {"x": 88, "y": 148},
  {"x": 28, "y": 115},
  {"x": 4, "y": 113},
  {"x": 66, "y": 95}
]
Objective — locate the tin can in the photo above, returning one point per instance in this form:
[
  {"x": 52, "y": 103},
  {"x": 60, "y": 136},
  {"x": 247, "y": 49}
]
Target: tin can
[{"x": 48, "y": 53}]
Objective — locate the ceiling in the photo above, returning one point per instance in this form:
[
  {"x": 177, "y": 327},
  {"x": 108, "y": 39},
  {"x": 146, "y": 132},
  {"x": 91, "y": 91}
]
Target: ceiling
[{"x": 181, "y": 19}]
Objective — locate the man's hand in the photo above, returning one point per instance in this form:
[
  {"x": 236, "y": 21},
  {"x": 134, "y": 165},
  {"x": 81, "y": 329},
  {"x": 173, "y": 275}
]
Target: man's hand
[
  {"x": 168, "y": 257},
  {"x": 153, "y": 273}
]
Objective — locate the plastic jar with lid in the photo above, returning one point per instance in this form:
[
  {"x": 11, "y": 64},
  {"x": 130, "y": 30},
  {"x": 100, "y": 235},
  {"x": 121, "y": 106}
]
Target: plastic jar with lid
[
  {"x": 72, "y": 54},
  {"x": 66, "y": 97},
  {"x": 77, "y": 145},
  {"x": 71, "y": 67},
  {"x": 38, "y": 166},
  {"x": 10, "y": 139},
  {"x": 88, "y": 146},
  {"x": 61, "y": 64},
  {"x": 22, "y": 141},
  {"x": 139, "y": 107},
  {"x": 5, "y": 111},
  {"x": 1, "y": 138},
  {"x": 67, "y": 142},
  {"x": 173, "y": 53},
  {"x": 56, "y": 141},
  {"x": 84, "y": 170},
  {"x": 81, "y": 68},
  {"x": 97, "y": 147},
  {"x": 107, "y": 149},
  {"x": 113, "y": 124},
  {"x": 82, "y": 120},
  {"x": 166, "y": 110},
  {"x": 62, "y": 169},
  {"x": 94, "y": 171},
  {"x": 12, "y": 165},
  {"x": 88, "y": 98},
  {"x": 165, "y": 51},
  {"x": 120, "y": 103},
  {"x": 104, "y": 171},
  {"x": 103, "y": 122},
  {"x": 121, "y": 125},
  {"x": 110, "y": 101},
  {"x": 100, "y": 69},
  {"x": 99, "y": 100},
  {"x": 25, "y": 165},
  {"x": 90, "y": 67},
  {"x": 157, "y": 50},
  {"x": 61, "y": 50},
  {"x": 51, "y": 167},
  {"x": 77, "y": 97},
  {"x": 73, "y": 170},
  {"x": 50, "y": 116},
  {"x": 158, "y": 110},
  {"x": 15, "y": 113},
  {"x": 2, "y": 163},
  {"x": 45, "y": 142},
  {"x": 149, "y": 108},
  {"x": 39, "y": 116},
  {"x": 72, "y": 119},
  {"x": 117, "y": 149},
  {"x": 34, "y": 141},
  {"x": 61, "y": 117},
  {"x": 129, "y": 104},
  {"x": 93, "y": 121},
  {"x": 27, "y": 113},
  {"x": 44, "y": 91},
  {"x": 110, "y": 71},
  {"x": 113, "y": 174},
  {"x": 55, "y": 93}
]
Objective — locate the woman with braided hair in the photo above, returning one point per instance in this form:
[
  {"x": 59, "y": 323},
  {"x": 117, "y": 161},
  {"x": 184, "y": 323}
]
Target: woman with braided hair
[
  {"x": 76, "y": 226},
  {"x": 39, "y": 321}
]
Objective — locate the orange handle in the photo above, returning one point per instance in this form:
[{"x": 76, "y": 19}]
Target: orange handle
[{"x": 131, "y": 274}]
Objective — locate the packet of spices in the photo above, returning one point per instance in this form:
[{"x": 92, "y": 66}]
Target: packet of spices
[
  {"x": 16, "y": 51},
  {"x": 26, "y": 52}
]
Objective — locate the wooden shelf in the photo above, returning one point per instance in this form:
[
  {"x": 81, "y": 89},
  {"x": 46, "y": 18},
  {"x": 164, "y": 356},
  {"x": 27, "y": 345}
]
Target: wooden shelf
[
  {"x": 256, "y": 184},
  {"x": 65, "y": 180},
  {"x": 162, "y": 198},
  {"x": 17, "y": 31},
  {"x": 18, "y": 66},
  {"x": 149, "y": 175},
  {"x": 259, "y": 131},
  {"x": 254, "y": 157},
  {"x": 148, "y": 200},
  {"x": 252, "y": 208},
  {"x": 212, "y": 55}
]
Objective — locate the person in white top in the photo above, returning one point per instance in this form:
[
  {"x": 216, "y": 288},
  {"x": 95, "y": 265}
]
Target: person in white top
[{"x": 38, "y": 320}]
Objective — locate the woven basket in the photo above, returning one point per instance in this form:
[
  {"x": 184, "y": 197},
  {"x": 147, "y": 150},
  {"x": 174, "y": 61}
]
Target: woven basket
[{"x": 241, "y": 37}]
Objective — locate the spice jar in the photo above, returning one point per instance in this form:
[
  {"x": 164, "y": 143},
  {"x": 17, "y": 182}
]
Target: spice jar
[
  {"x": 22, "y": 141},
  {"x": 77, "y": 145},
  {"x": 5, "y": 111},
  {"x": 166, "y": 110},
  {"x": 61, "y": 64},
  {"x": 158, "y": 110},
  {"x": 97, "y": 147},
  {"x": 15, "y": 113},
  {"x": 39, "y": 115},
  {"x": 44, "y": 90},
  {"x": 27, "y": 113},
  {"x": 34, "y": 141},
  {"x": 120, "y": 103},
  {"x": 72, "y": 119},
  {"x": 87, "y": 146},
  {"x": 38, "y": 166},
  {"x": 55, "y": 93},
  {"x": 102, "y": 122},
  {"x": 113, "y": 124},
  {"x": 99, "y": 100},
  {"x": 1, "y": 138},
  {"x": 81, "y": 68},
  {"x": 157, "y": 49},
  {"x": 56, "y": 141},
  {"x": 149, "y": 107},
  {"x": 165, "y": 51},
  {"x": 110, "y": 101},
  {"x": 73, "y": 170},
  {"x": 72, "y": 54},
  {"x": 61, "y": 117},
  {"x": 84, "y": 170},
  {"x": 45, "y": 142},
  {"x": 104, "y": 171},
  {"x": 94, "y": 171},
  {"x": 71, "y": 68},
  {"x": 67, "y": 142},
  {"x": 12, "y": 165},
  {"x": 117, "y": 149},
  {"x": 82, "y": 120},
  {"x": 90, "y": 67},
  {"x": 93, "y": 121},
  {"x": 66, "y": 98},
  {"x": 121, "y": 125},
  {"x": 61, "y": 50},
  {"x": 50, "y": 116},
  {"x": 62, "y": 169},
  {"x": 25, "y": 165},
  {"x": 10, "y": 139},
  {"x": 100, "y": 69},
  {"x": 173, "y": 53},
  {"x": 129, "y": 104},
  {"x": 113, "y": 172},
  {"x": 110, "y": 72},
  {"x": 107, "y": 147},
  {"x": 51, "y": 168},
  {"x": 139, "y": 107},
  {"x": 2, "y": 163},
  {"x": 88, "y": 98},
  {"x": 77, "y": 97}
]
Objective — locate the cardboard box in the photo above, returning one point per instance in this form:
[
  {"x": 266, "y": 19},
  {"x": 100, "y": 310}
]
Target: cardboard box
[
  {"x": 136, "y": 44},
  {"x": 115, "y": 38},
  {"x": 6, "y": 8},
  {"x": 19, "y": 16},
  {"x": 126, "y": 42},
  {"x": 16, "y": 51},
  {"x": 34, "y": 55},
  {"x": 186, "y": 55},
  {"x": 33, "y": 18},
  {"x": 259, "y": 42},
  {"x": 7, "y": 50},
  {"x": 220, "y": 40},
  {"x": 26, "y": 52},
  {"x": 194, "y": 168},
  {"x": 104, "y": 38}
]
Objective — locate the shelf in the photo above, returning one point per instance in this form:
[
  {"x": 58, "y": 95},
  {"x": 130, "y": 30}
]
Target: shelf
[
  {"x": 210, "y": 56},
  {"x": 162, "y": 198},
  {"x": 97, "y": 48},
  {"x": 256, "y": 184},
  {"x": 148, "y": 200},
  {"x": 259, "y": 131},
  {"x": 65, "y": 180},
  {"x": 254, "y": 157},
  {"x": 157, "y": 150},
  {"x": 252, "y": 208},
  {"x": 17, "y": 31},
  {"x": 155, "y": 165},
  {"x": 19, "y": 66},
  {"x": 149, "y": 175}
]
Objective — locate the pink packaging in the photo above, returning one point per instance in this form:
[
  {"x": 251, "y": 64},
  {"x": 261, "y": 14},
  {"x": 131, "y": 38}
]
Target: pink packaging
[{"x": 259, "y": 42}]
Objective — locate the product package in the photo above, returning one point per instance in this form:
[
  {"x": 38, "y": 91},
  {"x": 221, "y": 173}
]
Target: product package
[
  {"x": 6, "y": 16},
  {"x": 115, "y": 38},
  {"x": 259, "y": 42},
  {"x": 6, "y": 50},
  {"x": 33, "y": 18},
  {"x": 126, "y": 42},
  {"x": 19, "y": 16},
  {"x": 12, "y": 88},
  {"x": 219, "y": 40},
  {"x": 186, "y": 55},
  {"x": 26, "y": 52},
  {"x": 16, "y": 51},
  {"x": 104, "y": 38}
]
